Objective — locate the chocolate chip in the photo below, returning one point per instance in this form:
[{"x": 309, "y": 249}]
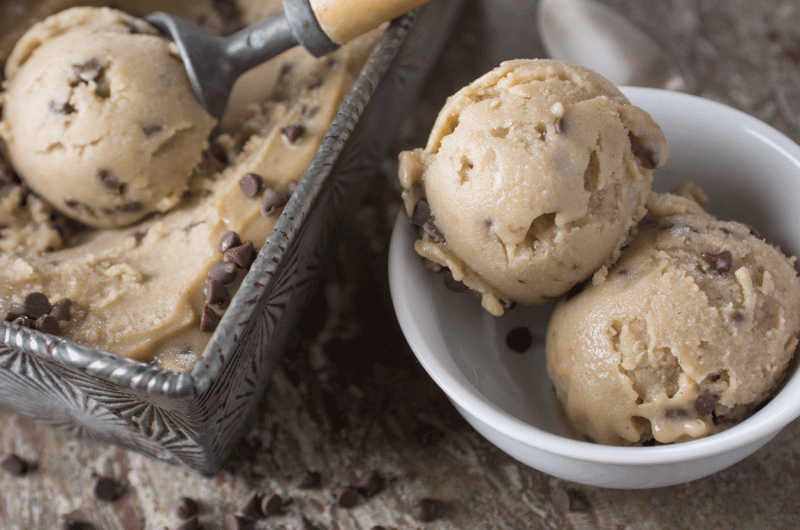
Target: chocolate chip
[
  {"x": 223, "y": 272},
  {"x": 674, "y": 413},
  {"x": 228, "y": 241},
  {"x": 371, "y": 484},
  {"x": 71, "y": 522},
  {"x": 15, "y": 465},
  {"x": 291, "y": 187},
  {"x": 309, "y": 481},
  {"x": 237, "y": 522},
  {"x": 559, "y": 125},
  {"x": 346, "y": 497},
  {"x": 36, "y": 304},
  {"x": 47, "y": 324},
  {"x": 23, "y": 321},
  {"x": 191, "y": 523},
  {"x": 62, "y": 310},
  {"x": 519, "y": 339},
  {"x": 305, "y": 524},
  {"x": 87, "y": 71},
  {"x": 737, "y": 317},
  {"x": 152, "y": 130},
  {"x": 243, "y": 255},
  {"x": 705, "y": 404},
  {"x": 209, "y": 320},
  {"x": 293, "y": 132},
  {"x": 569, "y": 500},
  {"x": 65, "y": 108},
  {"x": 14, "y": 312},
  {"x": 217, "y": 294},
  {"x": 107, "y": 489},
  {"x": 454, "y": 285},
  {"x": 719, "y": 261},
  {"x": 251, "y": 506},
  {"x": 218, "y": 152},
  {"x": 647, "y": 158},
  {"x": 132, "y": 206},
  {"x": 187, "y": 507},
  {"x": 422, "y": 212},
  {"x": 272, "y": 505},
  {"x": 433, "y": 231},
  {"x": 508, "y": 305},
  {"x": 251, "y": 184},
  {"x": 426, "y": 510},
  {"x": 427, "y": 435},
  {"x": 271, "y": 201}
]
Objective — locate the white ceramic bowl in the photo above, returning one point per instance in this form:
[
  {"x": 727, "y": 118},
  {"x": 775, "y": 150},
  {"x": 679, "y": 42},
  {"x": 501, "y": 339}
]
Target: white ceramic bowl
[{"x": 751, "y": 173}]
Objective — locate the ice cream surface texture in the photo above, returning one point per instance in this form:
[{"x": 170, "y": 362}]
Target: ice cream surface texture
[
  {"x": 99, "y": 117},
  {"x": 531, "y": 179},
  {"x": 143, "y": 290},
  {"x": 687, "y": 334}
]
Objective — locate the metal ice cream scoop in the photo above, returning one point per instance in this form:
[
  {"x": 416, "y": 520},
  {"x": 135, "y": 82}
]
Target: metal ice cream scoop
[
  {"x": 214, "y": 63},
  {"x": 593, "y": 35}
]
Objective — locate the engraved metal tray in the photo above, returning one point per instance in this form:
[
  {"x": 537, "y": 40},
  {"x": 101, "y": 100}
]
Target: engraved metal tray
[{"x": 193, "y": 418}]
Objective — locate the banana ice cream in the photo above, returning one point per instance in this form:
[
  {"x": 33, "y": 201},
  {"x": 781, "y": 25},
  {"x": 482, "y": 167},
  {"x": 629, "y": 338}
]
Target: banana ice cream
[
  {"x": 531, "y": 179},
  {"x": 99, "y": 117},
  {"x": 684, "y": 336},
  {"x": 107, "y": 132}
]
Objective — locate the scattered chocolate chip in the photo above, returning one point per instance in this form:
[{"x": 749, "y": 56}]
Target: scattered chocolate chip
[
  {"x": 65, "y": 108},
  {"x": 427, "y": 435},
  {"x": 646, "y": 157},
  {"x": 217, "y": 294},
  {"x": 346, "y": 497},
  {"x": 71, "y": 522},
  {"x": 737, "y": 317},
  {"x": 271, "y": 201},
  {"x": 209, "y": 320},
  {"x": 719, "y": 261},
  {"x": 433, "y": 231},
  {"x": 519, "y": 339},
  {"x": 35, "y": 305},
  {"x": 223, "y": 272},
  {"x": 47, "y": 324},
  {"x": 107, "y": 489},
  {"x": 243, "y": 255},
  {"x": 305, "y": 524},
  {"x": 87, "y": 71},
  {"x": 754, "y": 232},
  {"x": 16, "y": 311},
  {"x": 228, "y": 241},
  {"x": 705, "y": 404},
  {"x": 187, "y": 507},
  {"x": 62, "y": 310},
  {"x": 191, "y": 523},
  {"x": 132, "y": 206},
  {"x": 152, "y": 129},
  {"x": 569, "y": 500},
  {"x": 251, "y": 184},
  {"x": 237, "y": 522},
  {"x": 272, "y": 505},
  {"x": 454, "y": 285},
  {"x": 218, "y": 152},
  {"x": 371, "y": 484},
  {"x": 293, "y": 132},
  {"x": 15, "y": 465},
  {"x": 251, "y": 506},
  {"x": 559, "y": 125},
  {"x": 426, "y": 510},
  {"x": 309, "y": 481},
  {"x": 23, "y": 321},
  {"x": 291, "y": 187},
  {"x": 422, "y": 212}
]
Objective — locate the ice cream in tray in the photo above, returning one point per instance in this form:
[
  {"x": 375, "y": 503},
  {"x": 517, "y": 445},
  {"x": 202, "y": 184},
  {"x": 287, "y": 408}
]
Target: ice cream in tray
[{"x": 154, "y": 259}]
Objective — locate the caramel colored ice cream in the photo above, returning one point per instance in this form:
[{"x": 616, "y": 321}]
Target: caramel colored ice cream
[
  {"x": 531, "y": 179},
  {"x": 685, "y": 335},
  {"x": 152, "y": 290}
]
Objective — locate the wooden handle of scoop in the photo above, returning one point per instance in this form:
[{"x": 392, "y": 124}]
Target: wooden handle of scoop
[{"x": 344, "y": 20}]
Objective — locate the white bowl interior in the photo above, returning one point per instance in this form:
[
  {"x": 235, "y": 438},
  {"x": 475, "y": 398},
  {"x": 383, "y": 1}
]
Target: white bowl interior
[{"x": 750, "y": 172}]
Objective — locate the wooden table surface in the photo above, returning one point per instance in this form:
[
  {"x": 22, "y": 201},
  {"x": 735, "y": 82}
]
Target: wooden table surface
[{"x": 351, "y": 398}]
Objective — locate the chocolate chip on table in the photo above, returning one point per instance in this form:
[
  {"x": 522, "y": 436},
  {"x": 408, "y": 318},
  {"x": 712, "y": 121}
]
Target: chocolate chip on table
[
  {"x": 251, "y": 184},
  {"x": 228, "y": 241},
  {"x": 293, "y": 132},
  {"x": 309, "y": 481},
  {"x": 238, "y": 522},
  {"x": 47, "y": 324},
  {"x": 272, "y": 504},
  {"x": 191, "y": 523},
  {"x": 107, "y": 489},
  {"x": 271, "y": 201},
  {"x": 519, "y": 339},
  {"x": 15, "y": 465},
  {"x": 371, "y": 484},
  {"x": 305, "y": 524},
  {"x": 244, "y": 255},
  {"x": 250, "y": 506},
  {"x": 454, "y": 285},
  {"x": 35, "y": 305},
  {"x": 187, "y": 507},
  {"x": 426, "y": 510},
  {"x": 347, "y": 497},
  {"x": 209, "y": 320},
  {"x": 62, "y": 310},
  {"x": 569, "y": 500},
  {"x": 721, "y": 261},
  {"x": 217, "y": 294},
  {"x": 223, "y": 272}
]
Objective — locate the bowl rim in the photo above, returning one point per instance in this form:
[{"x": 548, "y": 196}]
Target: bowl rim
[{"x": 773, "y": 416}]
